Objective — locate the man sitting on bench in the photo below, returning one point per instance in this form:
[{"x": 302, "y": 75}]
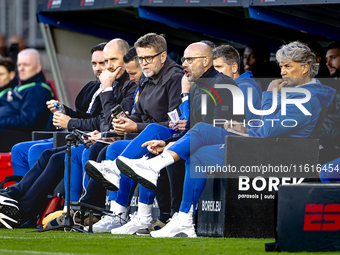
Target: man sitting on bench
[{"x": 203, "y": 144}]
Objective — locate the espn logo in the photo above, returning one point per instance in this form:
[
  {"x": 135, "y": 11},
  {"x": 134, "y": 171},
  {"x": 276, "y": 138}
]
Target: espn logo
[{"x": 321, "y": 217}]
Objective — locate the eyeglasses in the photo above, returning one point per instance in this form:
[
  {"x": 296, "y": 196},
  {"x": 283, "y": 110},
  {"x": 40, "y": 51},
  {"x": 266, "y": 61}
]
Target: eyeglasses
[
  {"x": 190, "y": 59},
  {"x": 148, "y": 59}
]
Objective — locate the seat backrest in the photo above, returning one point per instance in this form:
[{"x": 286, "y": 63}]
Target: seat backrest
[{"x": 52, "y": 85}]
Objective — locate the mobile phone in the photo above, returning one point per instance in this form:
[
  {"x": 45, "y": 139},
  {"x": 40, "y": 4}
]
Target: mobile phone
[
  {"x": 108, "y": 134},
  {"x": 118, "y": 111},
  {"x": 86, "y": 136}
]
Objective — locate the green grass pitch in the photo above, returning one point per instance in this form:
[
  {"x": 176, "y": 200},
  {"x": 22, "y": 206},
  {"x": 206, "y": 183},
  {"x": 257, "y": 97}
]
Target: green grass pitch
[{"x": 18, "y": 241}]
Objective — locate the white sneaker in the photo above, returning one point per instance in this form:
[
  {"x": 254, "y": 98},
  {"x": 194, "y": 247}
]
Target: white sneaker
[
  {"x": 105, "y": 173},
  {"x": 132, "y": 226},
  {"x": 107, "y": 223},
  {"x": 176, "y": 228},
  {"x": 9, "y": 212},
  {"x": 138, "y": 170}
]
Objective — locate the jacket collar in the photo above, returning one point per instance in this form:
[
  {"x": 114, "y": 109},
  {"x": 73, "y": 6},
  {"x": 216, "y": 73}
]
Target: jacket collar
[
  {"x": 39, "y": 77},
  {"x": 11, "y": 84}
]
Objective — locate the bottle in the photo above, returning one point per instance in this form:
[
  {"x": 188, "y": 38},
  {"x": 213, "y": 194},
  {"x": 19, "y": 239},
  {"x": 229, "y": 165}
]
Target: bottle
[{"x": 59, "y": 109}]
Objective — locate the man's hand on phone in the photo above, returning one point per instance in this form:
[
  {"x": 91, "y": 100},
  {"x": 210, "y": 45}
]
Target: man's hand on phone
[
  {"x": 92, "y": 136},
  {"x": 124, "y": 125}
]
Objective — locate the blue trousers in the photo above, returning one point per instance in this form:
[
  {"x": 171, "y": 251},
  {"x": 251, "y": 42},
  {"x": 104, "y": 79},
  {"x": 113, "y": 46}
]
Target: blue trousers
[
  {"x": 201, "y": 146},
  {"x": 24, "y": 155},
  {"x": 134, "y": 150}
]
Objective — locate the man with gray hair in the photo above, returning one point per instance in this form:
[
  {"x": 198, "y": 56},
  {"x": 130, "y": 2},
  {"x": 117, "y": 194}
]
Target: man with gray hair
[
  {"x": 203, "y": 144},
  {"x": 25, "y": 107}
]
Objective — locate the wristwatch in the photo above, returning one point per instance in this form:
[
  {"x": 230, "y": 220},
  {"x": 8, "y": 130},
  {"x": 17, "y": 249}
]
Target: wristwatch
[{"x": 185, "y": 96}]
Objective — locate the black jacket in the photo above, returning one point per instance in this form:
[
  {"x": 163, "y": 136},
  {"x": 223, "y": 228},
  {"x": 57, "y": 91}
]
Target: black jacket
[
  {"x": 122, "y": 93},
  {"x": 214, "y": 111},
  {"x": 158, "y": 96},
  {"x": 80, "y": 119}
]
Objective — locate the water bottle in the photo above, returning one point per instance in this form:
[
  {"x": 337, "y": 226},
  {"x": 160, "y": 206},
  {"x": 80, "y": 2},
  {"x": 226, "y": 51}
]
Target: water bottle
[{"x": 59, "y": 109}]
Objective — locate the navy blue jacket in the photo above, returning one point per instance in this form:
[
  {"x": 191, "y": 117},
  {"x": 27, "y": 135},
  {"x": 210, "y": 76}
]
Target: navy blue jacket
[
  {"x": 321, "y": 96},
  {"x": 8, "y": 88},
  {"x": 27, "y": 110}
]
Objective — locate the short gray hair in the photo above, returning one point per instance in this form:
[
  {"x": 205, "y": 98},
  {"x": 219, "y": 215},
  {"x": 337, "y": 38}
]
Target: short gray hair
[
  {"x": 300, "y": 53},
  {"x": 32, "y": 52}
]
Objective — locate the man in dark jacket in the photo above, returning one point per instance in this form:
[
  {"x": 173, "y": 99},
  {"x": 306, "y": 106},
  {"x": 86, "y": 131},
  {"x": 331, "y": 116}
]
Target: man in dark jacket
[{"x": 25, "y": 108}]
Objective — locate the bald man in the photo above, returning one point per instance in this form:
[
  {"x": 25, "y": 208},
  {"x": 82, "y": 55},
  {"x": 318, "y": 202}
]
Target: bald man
[{"x": 25, "y": 108}]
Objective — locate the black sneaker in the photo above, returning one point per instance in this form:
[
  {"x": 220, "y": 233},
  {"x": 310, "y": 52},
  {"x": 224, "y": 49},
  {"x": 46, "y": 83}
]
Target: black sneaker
[{"x": 9, "y": 211}]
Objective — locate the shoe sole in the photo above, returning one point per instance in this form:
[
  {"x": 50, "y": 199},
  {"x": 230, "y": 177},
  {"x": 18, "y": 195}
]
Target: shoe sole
[
  {"x": 98, "y": 177},
  {"x": 125, "y": 169}
]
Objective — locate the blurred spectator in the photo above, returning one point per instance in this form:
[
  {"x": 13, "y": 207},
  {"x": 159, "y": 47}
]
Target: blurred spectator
[
  {"x": 256, "y": 59},
  {"x": 333, "y": 59},
  {"x": 320, "y": 57},
  {"x": 8, "y": 79},
  {"x": 26, "y": 108},
  {"x": 19, "y": 40},
  {"x": 330, "y": 132},
  {"x": 15, "y": 45},
  {"x": 3, "y": 47}
]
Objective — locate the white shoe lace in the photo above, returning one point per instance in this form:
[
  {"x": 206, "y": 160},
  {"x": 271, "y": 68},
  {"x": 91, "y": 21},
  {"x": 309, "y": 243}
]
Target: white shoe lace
[
  {"x": 134, "y": 219},
  {"x": 112, "y": 219},
  {"x": 110, "y": 166}
]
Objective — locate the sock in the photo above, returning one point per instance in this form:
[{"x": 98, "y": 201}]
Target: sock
[
  {"x": 117, "y": 209},
  {"x": 163, "y": 160},
  {"x": 164, "y": 216},
  {"x": 144, "y": 212},
  {"x": 187, "y": 217}
]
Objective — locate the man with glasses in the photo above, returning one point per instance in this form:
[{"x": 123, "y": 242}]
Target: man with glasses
[
  {"x": 159, "y": 93},
  {"x": 197, "y": 63}
]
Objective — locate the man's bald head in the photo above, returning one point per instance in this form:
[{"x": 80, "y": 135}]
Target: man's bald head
[
  {"x": 114, "y": 52},
  {"x": 198, "y": 59},
  {"x": 28, "y": 63},
  {"x": 119, "y": 44}
]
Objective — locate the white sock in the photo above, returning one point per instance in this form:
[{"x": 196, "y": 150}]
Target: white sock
[
  {"x": 159, "y": 162},
  {"x": 144, "y": 212},
  {"x": 186, "y": 217},
  {"x": 117, "y": 209}
]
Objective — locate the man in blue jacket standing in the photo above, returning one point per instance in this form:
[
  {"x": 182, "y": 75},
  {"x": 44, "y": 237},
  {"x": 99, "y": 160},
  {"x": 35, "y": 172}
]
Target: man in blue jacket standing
[{"x": 25, "y": 108}]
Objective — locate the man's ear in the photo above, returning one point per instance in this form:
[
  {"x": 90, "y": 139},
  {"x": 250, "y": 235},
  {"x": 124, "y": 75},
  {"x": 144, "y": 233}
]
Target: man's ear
[
  {"x": 163, "y": 57},
  {"x": 305, "y": 68},
  {"x": 11, "y": 75},
  {"x": 234, "y": 68},
  {"x": 39, "y": 68},
  {"x": 206, "y": 62}
]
